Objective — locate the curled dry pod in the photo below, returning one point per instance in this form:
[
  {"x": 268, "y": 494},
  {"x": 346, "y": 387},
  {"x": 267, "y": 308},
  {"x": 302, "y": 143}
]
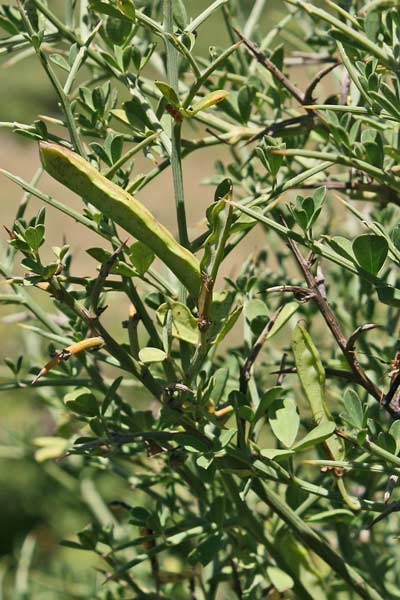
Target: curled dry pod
[{"x": 81, "y": 177}]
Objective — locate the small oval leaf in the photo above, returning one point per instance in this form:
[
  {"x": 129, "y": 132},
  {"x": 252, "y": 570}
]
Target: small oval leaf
[
  {"x": 285, "y": 421},
  {"x": 319, "y": 434},
  {"x": 370, "y": 252},
  {"x": 152, "y": 355}
]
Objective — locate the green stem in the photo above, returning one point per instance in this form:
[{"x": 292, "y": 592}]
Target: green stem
[
  {"x": 373, "y": 448},
  {"x": 353, "y": 73},
  {"x": 353, "y": 464},
  {"x": 149, "y": 326},
  {"x": 358, "y": 37},
  {"x": 128, "y": 155},
  {"x": 176, "y": 162},
  {"x": 195, "y": 24},
  {"x": 75, "y": 138},
  {"x": 351, "y": 161},
  {"x": 25, "y": 383},
  {"x": 254, "y": 18},
  {"x": 312, "y": 540},
  {"x": 207, "y": 72}
]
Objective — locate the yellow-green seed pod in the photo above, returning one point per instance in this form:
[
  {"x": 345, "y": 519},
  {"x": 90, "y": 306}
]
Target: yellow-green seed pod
[{"x": 82, "y": 178}]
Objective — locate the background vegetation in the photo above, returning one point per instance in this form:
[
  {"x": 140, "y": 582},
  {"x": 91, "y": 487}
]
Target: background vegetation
[{"x": 240, "y": 440}]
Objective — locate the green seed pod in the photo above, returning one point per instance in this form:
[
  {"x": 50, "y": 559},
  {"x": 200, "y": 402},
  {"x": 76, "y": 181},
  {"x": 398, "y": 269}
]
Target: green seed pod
[{"x": 82, "y": 178}]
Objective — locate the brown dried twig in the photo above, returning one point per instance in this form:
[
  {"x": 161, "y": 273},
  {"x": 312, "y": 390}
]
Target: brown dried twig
[
  {"x": 308, "y": 94},
  {"x": 358, "y": 372},
  {"x": 271, "y": 67},
  {"x": 245, "y": 371},
  {"x": 104, "y": 272}
]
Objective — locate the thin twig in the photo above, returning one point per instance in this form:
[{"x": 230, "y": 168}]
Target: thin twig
[
  {"x": 306, "y": 293},
  {"x": 394, "y": 507},
  {"x": 282, "y": 365},
  {"x": 352, "y": 339},
  {"x": 333, "y": 324},
  {"x": 104, "y": 272},
  {"x": 308, "y": 95},
  {"x": 245, "y": 371},
  {"x": 320, "y": 281},
  {"x": 328, "y": 372},
  {"x": 272, "y": 68},
  {"x": 288, "y": 125},
  {"x": 307, "y": 58}
]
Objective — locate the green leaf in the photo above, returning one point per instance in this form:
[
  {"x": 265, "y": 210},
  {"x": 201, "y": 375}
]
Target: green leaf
[
  {"x": 219, "y": 381},
  {"x": 121, "y": 268},
  {"x": 207, "y": 550},
  {"x": 225, "y": 437},
  {"x": 307, "y": 210},
  {"x": 34, "y": 236},
  {"x": 284, "y": 421},
  {"x": 228, "y": 324},
  {"x": 140, "y": 515},
  {"x": 50, "y": 270},
  {"x": 354, "y": 414},
  {"x": 82, "y": 402},
  {"x": 219, "y": 216},
  {"x": 184, "y": 324},
  {"x": 310, "y": 371},
  {"x": 107, "y": 9},
  {"x": 385, "y": 102},
  {"x": 370, "y": 251},
  {"x": 179, "y": 13},
  {"x": 8, "y": 26},
  {"x": 99, "y": 254},
  {"x": 216, "y": 512},
  {"x": 266, "y": 400},
  {"x": 141, "y": 256},
  {"x": 372, "y": 24},
  {"x": 192, "y": 443},
  {"x": 279, "y": 579},
  {"x": 285, "y": 314},
  {"x": 395, "y": 433},
  {"x": 121, "y": 115},
  {"x": 204, "y": 461},
  {"x": 395, "y": 236},
  {"x": 341, "y": 245},
  {"x": 110, "y": 395},
  {"x": 60, "y": 61},
  {"x": 245, "y": 100},
  {"x": 134, "y": 113},
  {"x": 168, "y": 93},
  {"x": 152, "y": 355},
  {"x": 275, "y": 453},
  {"x": 387, "y": 441},
  {"x": 271, "y": 162},
  {"x": 311, "y": 374},
  {"x": 74, "y": 545},
  {"x": 336, "y": 515},
  {"x": 127, "y": 8},
  {"x": 246, "y": 413},
  {"x": 319, "y": 434},
  {"x": 389, "y": 295},
  {"x": 255, "y": 308}
]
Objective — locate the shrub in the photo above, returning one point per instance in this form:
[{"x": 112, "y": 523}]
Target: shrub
[{"x": 247, "y": 423}]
